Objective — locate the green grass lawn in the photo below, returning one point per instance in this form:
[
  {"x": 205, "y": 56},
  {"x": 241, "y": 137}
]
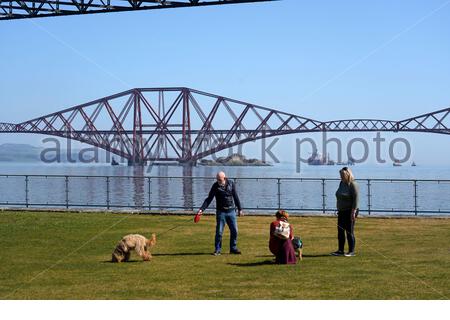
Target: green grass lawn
[{"x": 66, "y": 256}]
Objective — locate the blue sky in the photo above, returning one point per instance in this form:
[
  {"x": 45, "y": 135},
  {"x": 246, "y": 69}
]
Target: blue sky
[{"x": 321, "y": 59}]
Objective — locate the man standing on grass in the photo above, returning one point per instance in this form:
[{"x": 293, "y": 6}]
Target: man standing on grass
[{"x": 227, "y": 200}]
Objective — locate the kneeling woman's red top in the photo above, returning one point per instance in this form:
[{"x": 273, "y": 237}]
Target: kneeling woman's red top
[{"x": 283, "y": 249}]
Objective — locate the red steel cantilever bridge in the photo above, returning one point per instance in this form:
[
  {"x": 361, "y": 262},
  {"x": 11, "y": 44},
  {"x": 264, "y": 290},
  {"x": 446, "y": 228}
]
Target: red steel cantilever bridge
[
  {"x": 185, "y": 125},
  {"x": 46, "y": 8}
]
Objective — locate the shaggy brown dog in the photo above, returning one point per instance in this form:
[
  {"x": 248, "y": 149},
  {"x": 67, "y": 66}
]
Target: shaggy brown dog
[{"x": 139, "y": 243}]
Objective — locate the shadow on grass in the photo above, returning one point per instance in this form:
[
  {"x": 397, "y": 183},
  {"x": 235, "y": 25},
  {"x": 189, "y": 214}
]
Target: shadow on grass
[
  {"x": 253, "y": 264},
  {"x": 163, "y": 255},
  {"x": 129, "y": 261},
  {"x": 181, "y": 254},
  {"x": 304, "y": 256},
  {"x": 317, "y": 255}
]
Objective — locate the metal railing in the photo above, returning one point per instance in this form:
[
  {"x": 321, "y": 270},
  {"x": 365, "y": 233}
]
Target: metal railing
[{"x": 387, "y": 196}]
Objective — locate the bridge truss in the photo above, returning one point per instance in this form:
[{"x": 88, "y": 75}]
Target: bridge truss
[{"x": 185, "y": 125}]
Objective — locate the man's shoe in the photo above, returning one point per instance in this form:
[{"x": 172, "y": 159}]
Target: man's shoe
[
  {"x": 237, "y": 251},
  {"x": 349, "y": 254},
  {"x": 216, "y": 253},
  {"x": 337, "y": 253}
]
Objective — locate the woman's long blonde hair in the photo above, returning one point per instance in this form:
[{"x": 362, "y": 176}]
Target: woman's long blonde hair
[{"x": 346, "y": 175}]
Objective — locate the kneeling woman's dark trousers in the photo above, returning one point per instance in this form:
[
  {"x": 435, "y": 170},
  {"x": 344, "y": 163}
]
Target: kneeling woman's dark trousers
[{"x": 346, "y": 226}]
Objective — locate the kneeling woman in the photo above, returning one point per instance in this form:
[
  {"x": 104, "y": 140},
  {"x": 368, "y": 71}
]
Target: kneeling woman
[{"x": 281, "y": 235}]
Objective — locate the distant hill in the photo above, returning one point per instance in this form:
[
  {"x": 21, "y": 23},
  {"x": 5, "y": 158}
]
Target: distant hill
[{"x": 11, "y": 152}]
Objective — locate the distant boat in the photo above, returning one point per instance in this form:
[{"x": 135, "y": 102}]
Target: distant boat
[
  {"x": 397, "y": 163},
  {"x": 114, "y": 162},
  {"x": 413, "y": 164}
]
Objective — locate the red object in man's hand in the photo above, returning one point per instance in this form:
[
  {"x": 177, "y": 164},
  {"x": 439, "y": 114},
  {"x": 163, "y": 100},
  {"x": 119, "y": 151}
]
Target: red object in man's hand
[{"x": 197, "y": 217}]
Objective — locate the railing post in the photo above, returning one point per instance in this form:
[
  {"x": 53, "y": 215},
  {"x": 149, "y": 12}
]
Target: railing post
[
  {"x": 26, "y": 192},
  {"x": 149, "y": 194},
  {"x": 66, "y": 182},
  {"x": 415, "y": 197},
  {"x": 323, "y": 196},
  {"x": 107, "y": 193},
  {"x": 368, "y": 197},
  {"x": 279, "y": 192}
]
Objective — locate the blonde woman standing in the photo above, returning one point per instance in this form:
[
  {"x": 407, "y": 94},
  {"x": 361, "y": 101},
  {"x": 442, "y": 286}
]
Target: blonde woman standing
[{"x": 347, "y": 196}]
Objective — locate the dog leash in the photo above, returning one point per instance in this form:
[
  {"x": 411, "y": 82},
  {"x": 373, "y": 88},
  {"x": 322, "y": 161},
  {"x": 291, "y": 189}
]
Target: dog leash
[{"x": 175, "y": 227}]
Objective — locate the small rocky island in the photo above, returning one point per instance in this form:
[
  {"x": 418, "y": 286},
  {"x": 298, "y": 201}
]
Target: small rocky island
[{"x": 234, "y": 160}]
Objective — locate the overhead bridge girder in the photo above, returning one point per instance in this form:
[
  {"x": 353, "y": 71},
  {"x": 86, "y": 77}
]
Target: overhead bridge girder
[{"x": 47, "y": 8}]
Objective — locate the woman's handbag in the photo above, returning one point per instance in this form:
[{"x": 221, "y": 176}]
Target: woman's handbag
[{"x": 282, "y": 230}]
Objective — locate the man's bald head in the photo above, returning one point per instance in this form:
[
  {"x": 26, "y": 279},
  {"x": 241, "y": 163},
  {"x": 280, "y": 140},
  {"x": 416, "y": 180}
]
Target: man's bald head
[{"x": 221, "y": 177}]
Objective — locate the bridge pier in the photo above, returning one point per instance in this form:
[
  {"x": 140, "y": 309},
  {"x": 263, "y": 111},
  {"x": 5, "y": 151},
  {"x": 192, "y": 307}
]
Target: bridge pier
[
  {"x": 188, "y": 163},
  {"x": 136, "y": 162}
]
